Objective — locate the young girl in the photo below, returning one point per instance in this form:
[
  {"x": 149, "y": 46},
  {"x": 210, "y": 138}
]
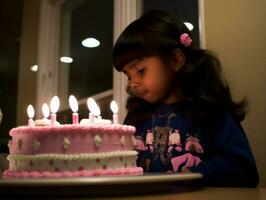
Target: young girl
[{"x": 185, "y": 118}]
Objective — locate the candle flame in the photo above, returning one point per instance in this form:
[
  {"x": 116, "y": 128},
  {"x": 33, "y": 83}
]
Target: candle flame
[
  {"x": 30, "y": 111},
  {"x": 73, "y": 103},
  {"x": 45, "y": 110},
  {"x": 93, "y": 107},
  {"x": 54, "y": 105},
  {"x": 114, "y": 107}
]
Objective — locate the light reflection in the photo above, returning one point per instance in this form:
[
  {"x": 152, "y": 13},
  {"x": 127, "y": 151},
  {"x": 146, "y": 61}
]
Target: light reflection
[
  {"x": 34, "y": 68},
  {"x": 90, "y": 42},
  {"x": 189, "y": 25},
  {"x": 66, "y": 59}
]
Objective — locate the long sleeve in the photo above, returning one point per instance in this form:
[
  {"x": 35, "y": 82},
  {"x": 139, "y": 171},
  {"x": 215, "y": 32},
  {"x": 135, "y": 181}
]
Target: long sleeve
[{"x": 229, "y": 161}]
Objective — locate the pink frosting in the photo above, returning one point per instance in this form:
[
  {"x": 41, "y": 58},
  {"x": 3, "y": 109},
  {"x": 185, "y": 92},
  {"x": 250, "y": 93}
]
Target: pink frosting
[
  {"x": 81, "y": 139},
  {"x": 84, "y": 173},
  {"x": 122, "y": 129}
]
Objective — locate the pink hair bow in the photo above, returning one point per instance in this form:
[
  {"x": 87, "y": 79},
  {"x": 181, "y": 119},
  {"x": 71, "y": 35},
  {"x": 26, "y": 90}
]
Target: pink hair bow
[{"x": 185, "y": 40}]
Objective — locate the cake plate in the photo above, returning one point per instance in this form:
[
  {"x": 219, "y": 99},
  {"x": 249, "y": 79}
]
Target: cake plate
[{"x": 93, "y": 186}]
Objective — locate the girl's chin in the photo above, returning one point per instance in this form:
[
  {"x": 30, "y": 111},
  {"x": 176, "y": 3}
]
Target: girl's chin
[{"x": 149, "y": 99}]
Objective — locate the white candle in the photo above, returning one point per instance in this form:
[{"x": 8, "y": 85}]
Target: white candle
[
  {"x": 73, "y": 103},
  {"x": 54, "y": 106},
  {"x": 97, "y": 111},
  {"x": 114, "y": 108},
  {"x": 94, "y": 110},
  {"x": 30, "y": 112},
  {"x": 91, "y": 103}
]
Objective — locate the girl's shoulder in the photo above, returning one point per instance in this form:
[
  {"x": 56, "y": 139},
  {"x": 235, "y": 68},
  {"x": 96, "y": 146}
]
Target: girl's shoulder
[
  {"x": 225, "y": 118},
  {"x": 223, "y": 124}
]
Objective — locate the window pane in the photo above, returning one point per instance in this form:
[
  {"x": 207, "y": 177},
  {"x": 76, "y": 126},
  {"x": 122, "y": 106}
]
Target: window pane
[
  {"x": 91, "y": 70},
  {"x": 186, "y": 10}
]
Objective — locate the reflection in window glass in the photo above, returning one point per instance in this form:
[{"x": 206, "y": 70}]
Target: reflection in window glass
[
  {"x": 88, "y": 67},
  {"x": 186, "y": 10}
]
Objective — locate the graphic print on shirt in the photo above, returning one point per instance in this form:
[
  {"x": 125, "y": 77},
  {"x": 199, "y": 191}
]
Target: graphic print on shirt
[
  {"x": 149, "y": 141},
  {"x": 193, "y": 144},
  {"x": 190, "y": 158},
  {"x": 174, "y": 141},
  {"x": 160, "y": 144},
  {"x": 165, "y": 148},
  {"x": 166, "y": 145},
  {"x": 154, "y": 148}
]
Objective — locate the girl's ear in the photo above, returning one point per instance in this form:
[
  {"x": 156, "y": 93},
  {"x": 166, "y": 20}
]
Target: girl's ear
[{"x": 178, "y": 60}]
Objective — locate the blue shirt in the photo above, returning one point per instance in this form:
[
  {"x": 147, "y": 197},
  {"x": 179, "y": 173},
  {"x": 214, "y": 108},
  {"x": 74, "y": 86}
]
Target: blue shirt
[{"x": 169, "y": 141}]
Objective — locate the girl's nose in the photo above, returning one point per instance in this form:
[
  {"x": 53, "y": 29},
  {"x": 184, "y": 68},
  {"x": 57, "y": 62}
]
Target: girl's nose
[{"x": 134, "y": 83}]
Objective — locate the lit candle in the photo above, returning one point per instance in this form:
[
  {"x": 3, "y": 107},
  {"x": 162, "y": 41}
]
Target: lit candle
[
  {"x": 45, "y": 111},
  {"x": 97, "y": 111},
  {"x": 30, "y": 112},
  {"x": 45, "y": 121},
  {"x": 114, "y": 108},
  {"x": 91, "y": 104},
  {"x": 54, "y": 105},
  {"x": 94, "y": 110},
  {"x": 74, "y": 107}
]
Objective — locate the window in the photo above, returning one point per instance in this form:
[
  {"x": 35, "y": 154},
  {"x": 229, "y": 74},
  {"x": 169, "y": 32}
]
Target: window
[
  {"x": 85, "y": 68},
  {"x": 65, "y": 23}
]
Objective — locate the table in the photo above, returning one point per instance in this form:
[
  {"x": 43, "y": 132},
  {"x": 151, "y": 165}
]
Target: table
[{"x": 207, "y": 194}]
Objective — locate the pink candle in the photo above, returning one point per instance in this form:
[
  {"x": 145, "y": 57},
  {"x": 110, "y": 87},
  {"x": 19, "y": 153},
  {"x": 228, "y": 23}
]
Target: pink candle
[
  {"x": 30, "y": 122},
  {"x": 75, "y": 118},
  {"x": 73, "y": 103}
]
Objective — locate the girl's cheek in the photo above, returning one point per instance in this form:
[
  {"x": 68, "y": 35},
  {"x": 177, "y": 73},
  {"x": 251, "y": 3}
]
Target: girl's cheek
[
  {"x": 151, "y": 83},
  {"x": 153, "y": 86}
]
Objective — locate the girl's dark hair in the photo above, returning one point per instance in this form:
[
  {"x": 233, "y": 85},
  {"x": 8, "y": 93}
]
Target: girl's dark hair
[{"x": 199, "y": 84}]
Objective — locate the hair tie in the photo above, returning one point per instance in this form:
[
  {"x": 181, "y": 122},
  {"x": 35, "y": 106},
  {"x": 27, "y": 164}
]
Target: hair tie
[{"x": 185, "y": 40}]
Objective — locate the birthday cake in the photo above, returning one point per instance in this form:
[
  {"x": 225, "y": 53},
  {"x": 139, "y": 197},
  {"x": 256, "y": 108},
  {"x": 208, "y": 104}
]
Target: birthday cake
[{"x": 76, "y": 150}]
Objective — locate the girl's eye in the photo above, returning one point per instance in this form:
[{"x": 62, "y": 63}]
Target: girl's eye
[
  {"x": 141, "y": 71},
  {"x": 128, "y": 78}
]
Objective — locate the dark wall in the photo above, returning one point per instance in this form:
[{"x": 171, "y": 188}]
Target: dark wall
[{"x": 10, "y": 22}]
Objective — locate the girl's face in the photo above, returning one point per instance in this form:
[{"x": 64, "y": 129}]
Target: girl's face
[{"x": 150, "y": 79}]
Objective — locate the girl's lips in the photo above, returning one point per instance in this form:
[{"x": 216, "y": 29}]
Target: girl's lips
[{"x": 140, "y": 93}]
